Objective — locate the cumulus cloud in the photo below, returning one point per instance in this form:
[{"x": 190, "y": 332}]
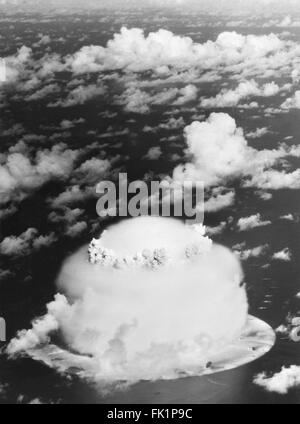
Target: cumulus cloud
[
  {"x": 73, "y": 194},
  {"x": 219, "y": 200},
  {"x": 18, "y": 246},
  {"x": 246, "y": 89},
  {"x": 219, "y": 152},
  {"x": 216, "y": 231},
  {"x": 288, "y": 217},
  {"x": 284, "y": 255},
  {"x": 21, "y": 174},
  {"x": 292, "y": 102},
  {"x": 218, "y": 148},
  {"x": 174, "y": 59},
  {"x": 255, "y": 252},
  {"x": 43, "y": 40},
  {"x": 41, "y": 329},
  {"x": 44, "y": 241},
  {"x": 91, "y": 171},
  {"x": 259, "y": 132},
  {"x": 172, "y": 124},
  {"x": 25, "y": 243},
  {"x": 76, "y": 229},
  {"x": 44, "y": 92},
  {"x": 5, "y": 273},
  {"x": 65, "y": 214},
  {"x": 250, "y": 222},
  {"x": 175, "y": 64},
  {"x": 16, "y": 65},
  {"x": 80, "y": 95},
  {"x": 154, "y": 153},
  {"x": 132, "y": 51},
  {"x": 66, "y": 124},
  {"x": 264, "y": 195},
  {"x": 282, "y": 382},
  {"x": 71, "y": 221},
  {"x": 186, "y": 94},
  {"x": 136, "y": 100},
  {"x": 288, "y": 22},
  {"x": 271, "y": 179}
]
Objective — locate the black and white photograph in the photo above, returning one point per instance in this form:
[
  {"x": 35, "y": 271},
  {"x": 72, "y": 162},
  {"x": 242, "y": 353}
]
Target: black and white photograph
[{"x": 149, "y": 204}]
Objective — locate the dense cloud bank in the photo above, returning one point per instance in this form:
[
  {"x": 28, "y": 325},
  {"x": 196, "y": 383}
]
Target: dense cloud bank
[
  {"x": 154, "y": 70},
  {"x": 160, "y": 68},
  {"x": 221, "y": 6}
]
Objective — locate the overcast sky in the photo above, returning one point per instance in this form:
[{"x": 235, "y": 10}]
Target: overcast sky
[{"x": 284, "y": 6}]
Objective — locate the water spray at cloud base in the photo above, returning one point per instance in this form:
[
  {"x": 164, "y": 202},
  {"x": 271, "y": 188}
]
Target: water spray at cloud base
[{"x": 154, "y": 299}]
